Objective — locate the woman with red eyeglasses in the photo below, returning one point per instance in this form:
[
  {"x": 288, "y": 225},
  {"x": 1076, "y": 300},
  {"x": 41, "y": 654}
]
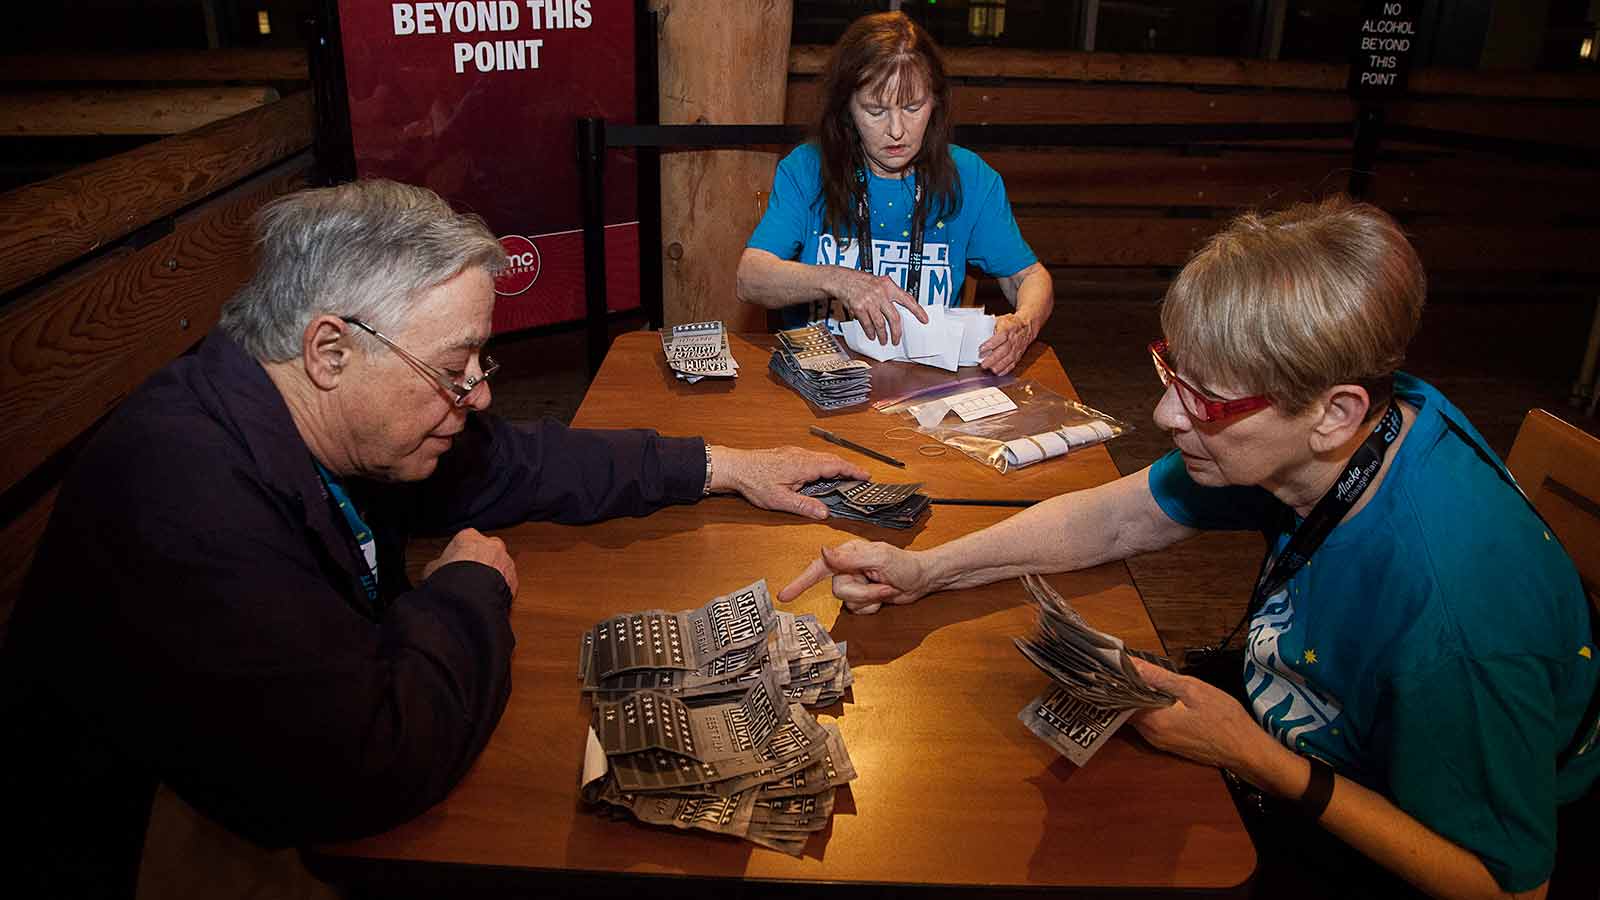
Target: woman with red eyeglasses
[{"x": 1416, "y": 695}]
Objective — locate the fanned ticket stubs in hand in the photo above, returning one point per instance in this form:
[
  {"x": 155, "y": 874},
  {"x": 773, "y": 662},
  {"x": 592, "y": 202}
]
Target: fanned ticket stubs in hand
[
  {"x": 699, "y": 350},
  {"x": 730, "y": 747},
  {"x": 1096, "y": 686}
]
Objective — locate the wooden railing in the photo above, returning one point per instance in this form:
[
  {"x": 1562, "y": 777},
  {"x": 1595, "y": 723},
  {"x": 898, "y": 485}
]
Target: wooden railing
[
  {"x": 207, "y": 66},
  {"x": 109, "y": 272},
  {"x": 1471, "y": 211}
]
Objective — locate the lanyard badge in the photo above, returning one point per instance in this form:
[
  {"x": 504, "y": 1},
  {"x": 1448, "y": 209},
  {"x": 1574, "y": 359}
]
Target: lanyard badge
[
  {"x": 1276, "y": 571},
  {"x": 864, "y": 232}
]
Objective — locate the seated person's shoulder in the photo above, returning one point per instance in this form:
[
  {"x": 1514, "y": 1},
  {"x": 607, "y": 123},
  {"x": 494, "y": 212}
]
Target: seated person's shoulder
[
  {"x": 1483, "y": 548},
  {"x": 805, "y": 156},
  {"x": 164, "y": 443},
  {"x": 971, "y": 165}
]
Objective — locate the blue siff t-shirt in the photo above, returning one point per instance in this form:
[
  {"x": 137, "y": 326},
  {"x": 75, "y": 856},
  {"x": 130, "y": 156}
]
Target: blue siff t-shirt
[
  {"x": 1437, "y": 648},
  {"x": 982, "y": 232}
]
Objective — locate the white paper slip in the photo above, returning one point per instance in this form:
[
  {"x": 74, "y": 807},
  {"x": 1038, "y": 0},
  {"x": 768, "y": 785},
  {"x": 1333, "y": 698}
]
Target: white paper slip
[
  {"x": 970, "y": 406},
  {"x": 943, "y": 341},
  {"x": 981, "y": 404},
  {"x": 594, "y": 760},
  {"x": 856, "y": 339},
  {"x": 922, "y": 339},
  {"x": 978, "y": 327},
  {"x": 1028, "y": 450},
  {"x": 949, "y": 355}
]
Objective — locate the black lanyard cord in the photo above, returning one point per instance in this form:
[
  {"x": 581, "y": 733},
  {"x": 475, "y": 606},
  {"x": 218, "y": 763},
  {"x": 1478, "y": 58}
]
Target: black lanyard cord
[
  {"x": 1276, "y": 571},
  {"x": 864, "y": 231}
]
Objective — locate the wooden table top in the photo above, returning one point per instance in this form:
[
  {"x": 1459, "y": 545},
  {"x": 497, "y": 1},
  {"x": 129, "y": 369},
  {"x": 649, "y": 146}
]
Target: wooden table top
[
  {"x": 953, "y": 789},
  {"x": 635, "y": 388}
]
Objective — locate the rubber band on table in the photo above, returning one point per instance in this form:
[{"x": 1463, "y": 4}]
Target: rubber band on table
[{"x": 928, "y": 450}]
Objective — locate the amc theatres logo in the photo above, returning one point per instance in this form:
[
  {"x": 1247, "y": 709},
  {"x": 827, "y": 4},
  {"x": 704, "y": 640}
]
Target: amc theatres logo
[{"x": 522, "y": 266}]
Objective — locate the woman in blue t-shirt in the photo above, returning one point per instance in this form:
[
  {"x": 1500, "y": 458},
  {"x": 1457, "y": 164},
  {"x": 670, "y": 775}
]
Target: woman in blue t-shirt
[
  {"x": 882, "y": 176},
  {"x": 1417, "y": 693}
]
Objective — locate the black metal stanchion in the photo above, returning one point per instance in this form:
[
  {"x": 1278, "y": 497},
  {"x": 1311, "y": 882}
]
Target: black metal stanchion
[
  {"x": 648, "y": 103},
  {"x": 1364, "y": 158},
  {"x": 591, "y": 181}
]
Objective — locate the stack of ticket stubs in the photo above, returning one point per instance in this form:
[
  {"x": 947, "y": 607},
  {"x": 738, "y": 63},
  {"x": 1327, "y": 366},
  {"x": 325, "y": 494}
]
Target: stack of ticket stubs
[
  {"x": 1096, "y": 686},
  {"x": 890, "y": 505},
  {"x": 813, "y": 362},
  {"x": 700, "y": 719},
  {"x": 699, "y": 350}
]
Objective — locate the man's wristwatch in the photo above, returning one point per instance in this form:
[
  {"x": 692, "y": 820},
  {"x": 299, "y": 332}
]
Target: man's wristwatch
[{"x": 705, "y": 491}]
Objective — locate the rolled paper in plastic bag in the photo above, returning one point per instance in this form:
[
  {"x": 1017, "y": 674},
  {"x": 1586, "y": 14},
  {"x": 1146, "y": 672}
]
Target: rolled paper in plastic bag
[{"x": 1026, "y": 451}]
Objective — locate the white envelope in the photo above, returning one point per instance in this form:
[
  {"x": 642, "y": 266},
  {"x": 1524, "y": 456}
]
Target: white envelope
[
  {"x": 980, "y": 327},
  {"x": 948, "y": 340},
  {"x": 857, "y": 340}
]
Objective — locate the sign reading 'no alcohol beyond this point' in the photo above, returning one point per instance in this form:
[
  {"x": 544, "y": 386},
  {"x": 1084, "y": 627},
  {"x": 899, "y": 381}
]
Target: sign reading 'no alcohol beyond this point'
[{"x": 1386, "y": 38}]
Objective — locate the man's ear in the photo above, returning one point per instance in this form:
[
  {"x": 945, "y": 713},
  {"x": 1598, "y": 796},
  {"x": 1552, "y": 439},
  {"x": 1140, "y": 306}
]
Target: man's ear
[
  {"x": 1343, "y": 410},
  {"x": 325, "y": 350}
]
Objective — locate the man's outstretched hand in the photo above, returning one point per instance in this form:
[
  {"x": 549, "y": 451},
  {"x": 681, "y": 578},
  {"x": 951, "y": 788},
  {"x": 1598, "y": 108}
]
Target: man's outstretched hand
[{"x": 771, "y": 479}]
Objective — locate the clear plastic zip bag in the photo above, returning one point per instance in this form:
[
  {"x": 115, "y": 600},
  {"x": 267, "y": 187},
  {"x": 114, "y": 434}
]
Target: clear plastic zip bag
[{"x": 1004, "y": 423}]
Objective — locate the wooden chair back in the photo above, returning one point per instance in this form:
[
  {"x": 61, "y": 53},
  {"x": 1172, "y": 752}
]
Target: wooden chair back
[{"x": 1558, "y": 466}]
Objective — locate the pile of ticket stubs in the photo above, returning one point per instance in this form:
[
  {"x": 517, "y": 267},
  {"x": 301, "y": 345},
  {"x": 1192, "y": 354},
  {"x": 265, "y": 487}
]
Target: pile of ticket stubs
[
  {"x": 700, "y": 721},
  {"x": 811, "y": 360},
  {"x": 699, "y": 350}
]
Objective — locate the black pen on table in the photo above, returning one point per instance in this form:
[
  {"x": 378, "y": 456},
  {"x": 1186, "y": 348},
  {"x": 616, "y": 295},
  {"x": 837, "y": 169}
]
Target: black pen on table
[{"x": 832, "y": 438}]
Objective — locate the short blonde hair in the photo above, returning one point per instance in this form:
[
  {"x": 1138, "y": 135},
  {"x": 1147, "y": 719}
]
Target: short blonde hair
[{"x": 1293, "y": 303}]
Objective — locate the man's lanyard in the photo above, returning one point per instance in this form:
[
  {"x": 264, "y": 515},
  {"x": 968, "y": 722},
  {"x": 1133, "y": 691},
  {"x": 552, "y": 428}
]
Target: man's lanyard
[
  {"x": 1329, "y": 512},
  {"x": 864, "y": 232},
  {"x": 364, "y": 539}
]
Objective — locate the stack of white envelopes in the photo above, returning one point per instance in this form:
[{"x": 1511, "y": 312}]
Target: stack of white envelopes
[{"x": 950, "y": 338}]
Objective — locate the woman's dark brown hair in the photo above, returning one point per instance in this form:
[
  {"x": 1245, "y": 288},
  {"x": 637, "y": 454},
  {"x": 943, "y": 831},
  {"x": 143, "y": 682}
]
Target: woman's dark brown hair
[{"x": 873, "y": 51}]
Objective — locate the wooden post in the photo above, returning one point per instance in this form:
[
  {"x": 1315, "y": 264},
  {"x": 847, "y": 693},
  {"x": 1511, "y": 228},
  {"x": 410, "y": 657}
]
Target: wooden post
[{"x": 720, "y": 64}]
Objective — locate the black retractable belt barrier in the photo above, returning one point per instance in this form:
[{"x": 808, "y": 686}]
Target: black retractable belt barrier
[
  {"x": 591, "y": 182},
  {"x": 596, "y": 135}
]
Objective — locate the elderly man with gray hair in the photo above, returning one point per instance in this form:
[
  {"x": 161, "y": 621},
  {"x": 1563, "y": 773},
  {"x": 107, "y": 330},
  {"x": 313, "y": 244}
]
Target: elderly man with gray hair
[{"x": 220, "y": 599}]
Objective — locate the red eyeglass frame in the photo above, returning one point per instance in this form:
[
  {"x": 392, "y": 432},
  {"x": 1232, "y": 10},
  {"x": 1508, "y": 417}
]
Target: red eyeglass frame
[{"x": 1196, "y": 403}]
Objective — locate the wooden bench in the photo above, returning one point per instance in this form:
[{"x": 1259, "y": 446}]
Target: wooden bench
[{"x": 1469, "y": 211}]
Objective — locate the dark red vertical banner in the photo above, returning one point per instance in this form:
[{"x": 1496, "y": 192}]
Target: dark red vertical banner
[{"x": 477, "y": 101}]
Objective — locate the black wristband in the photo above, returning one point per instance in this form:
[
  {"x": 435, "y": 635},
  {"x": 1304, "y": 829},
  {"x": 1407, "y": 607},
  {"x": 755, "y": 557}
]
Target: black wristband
[{"x": 1319, "y": 790}]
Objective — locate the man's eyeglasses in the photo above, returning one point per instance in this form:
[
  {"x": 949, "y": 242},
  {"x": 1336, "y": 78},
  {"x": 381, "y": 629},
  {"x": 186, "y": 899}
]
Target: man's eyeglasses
[
  {"x": 459, "y": 390},
  {"x": 1196, "y": 403}
]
